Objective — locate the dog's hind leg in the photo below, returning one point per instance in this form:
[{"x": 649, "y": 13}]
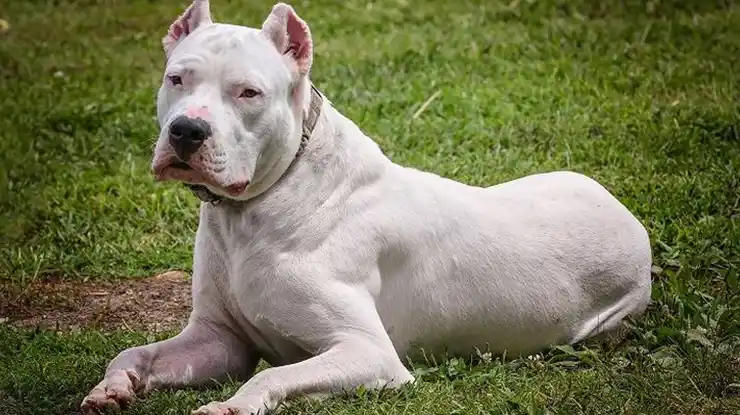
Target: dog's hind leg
[{"x": 608, "y": 324}]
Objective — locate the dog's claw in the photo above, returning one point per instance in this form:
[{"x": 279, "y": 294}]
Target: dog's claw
[
  {"x": 112, "y": 394},
  {"x": 216, "y": 408},
  {"x": 223, "y": 408},
  {"x": 99, "y": 404}
]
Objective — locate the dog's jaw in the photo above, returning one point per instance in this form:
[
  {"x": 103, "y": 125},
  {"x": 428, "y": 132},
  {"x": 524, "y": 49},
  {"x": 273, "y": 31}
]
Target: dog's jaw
[{"x": 170, "y": 168}]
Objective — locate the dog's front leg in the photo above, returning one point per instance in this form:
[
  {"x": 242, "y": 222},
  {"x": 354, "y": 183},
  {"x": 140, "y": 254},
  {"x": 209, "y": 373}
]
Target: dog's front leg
[
  {"x": 355, "y": 351},
  {"x": 201, "y": 353},
  {"x": 346, "y": 366}
]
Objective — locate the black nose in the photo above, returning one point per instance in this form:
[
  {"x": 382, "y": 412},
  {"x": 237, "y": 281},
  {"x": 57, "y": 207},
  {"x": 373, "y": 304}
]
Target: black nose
[{"x": 187, "y": 135}]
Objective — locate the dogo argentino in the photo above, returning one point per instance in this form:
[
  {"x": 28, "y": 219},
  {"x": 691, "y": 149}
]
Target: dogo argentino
[{"x": 332, "y": 263}]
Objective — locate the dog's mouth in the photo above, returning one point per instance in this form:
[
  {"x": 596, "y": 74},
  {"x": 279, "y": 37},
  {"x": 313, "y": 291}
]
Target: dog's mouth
[
  {"x": 175, "y": 169},
  {"x": 180, "y": 165},
  {"x": 179, "y": 170}
]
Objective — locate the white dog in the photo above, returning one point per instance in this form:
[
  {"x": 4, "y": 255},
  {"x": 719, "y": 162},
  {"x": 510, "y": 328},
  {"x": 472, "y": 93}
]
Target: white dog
[{"x": 332, "y": 263}]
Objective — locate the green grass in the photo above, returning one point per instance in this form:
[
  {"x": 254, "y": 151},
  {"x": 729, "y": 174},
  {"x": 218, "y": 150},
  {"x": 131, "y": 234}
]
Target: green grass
[{"x": 641, "y": 96}]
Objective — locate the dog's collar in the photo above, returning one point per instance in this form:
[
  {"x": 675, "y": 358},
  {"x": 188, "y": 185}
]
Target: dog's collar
[{"x": 314, "y": 109}]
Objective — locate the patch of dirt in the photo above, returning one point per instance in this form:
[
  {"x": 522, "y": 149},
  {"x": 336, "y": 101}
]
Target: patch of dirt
[{"x": 155, "y": 304}]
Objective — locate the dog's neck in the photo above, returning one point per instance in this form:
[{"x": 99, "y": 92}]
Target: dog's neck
[
  {"x": 338, "y": 160},
  {"x": 310, "y": 117}
]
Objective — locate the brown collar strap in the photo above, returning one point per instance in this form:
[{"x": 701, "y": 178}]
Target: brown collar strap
[{"x": 202, "y": 192}]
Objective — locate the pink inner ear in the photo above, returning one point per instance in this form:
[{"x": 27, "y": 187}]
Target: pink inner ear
[
  {"x": 299, "y": 42},
  {"x": 179, "y": 27},
  {"x": 196, "y": 15}
]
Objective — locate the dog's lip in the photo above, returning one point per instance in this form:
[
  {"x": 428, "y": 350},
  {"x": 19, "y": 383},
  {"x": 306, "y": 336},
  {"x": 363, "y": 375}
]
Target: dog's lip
[
  {"x": 165, "y": 169},
  {"x": 237, "y": 188},
  {"x": 172, "y": 163},
  {"x": 180, "y": 171},
  {"x": 180, "y": 165}
]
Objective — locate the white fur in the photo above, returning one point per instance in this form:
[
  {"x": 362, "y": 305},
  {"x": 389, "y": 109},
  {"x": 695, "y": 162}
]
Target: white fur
[{"x": 336, "y": 269}]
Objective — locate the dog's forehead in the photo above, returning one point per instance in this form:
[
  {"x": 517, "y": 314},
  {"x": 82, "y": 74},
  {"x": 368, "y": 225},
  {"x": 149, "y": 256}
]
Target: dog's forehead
[{"x": 228, "y": 44}]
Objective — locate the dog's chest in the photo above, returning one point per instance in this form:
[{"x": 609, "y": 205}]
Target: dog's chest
[{"x": 253, "y": 247}]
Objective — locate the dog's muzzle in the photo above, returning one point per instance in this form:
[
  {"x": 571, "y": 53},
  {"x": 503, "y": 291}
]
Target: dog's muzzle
[{"x": 187, "y": 135}]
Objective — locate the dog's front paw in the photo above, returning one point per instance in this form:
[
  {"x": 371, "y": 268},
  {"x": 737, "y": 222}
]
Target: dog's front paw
[
  {"x": 115, "y": 392},
  {"x": 225, "y": 408}
]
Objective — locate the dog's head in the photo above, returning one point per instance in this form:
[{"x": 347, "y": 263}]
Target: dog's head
[{"x": 232, "y": 100}]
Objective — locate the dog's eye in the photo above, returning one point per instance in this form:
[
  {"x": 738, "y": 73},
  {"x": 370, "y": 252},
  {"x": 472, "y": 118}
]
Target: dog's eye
[
  {"x": 249, "y": 93},
  {"x": 176, "y": 80}
]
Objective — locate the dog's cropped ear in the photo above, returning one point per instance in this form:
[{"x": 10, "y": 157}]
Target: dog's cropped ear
[
  {"x": 197, "y": 15},
  {"x": 291, "y": 35}
]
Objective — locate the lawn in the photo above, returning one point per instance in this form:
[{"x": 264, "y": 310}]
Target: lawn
[{"x": 641, "y": 95}]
